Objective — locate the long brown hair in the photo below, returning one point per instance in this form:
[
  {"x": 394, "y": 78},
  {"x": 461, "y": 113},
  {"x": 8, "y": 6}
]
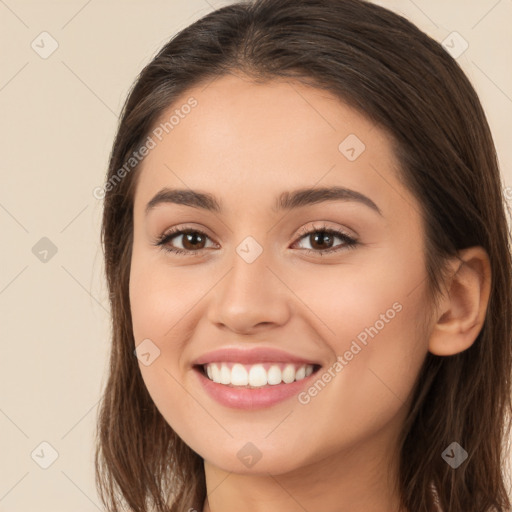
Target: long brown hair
[{"x": 405, "y": 82}]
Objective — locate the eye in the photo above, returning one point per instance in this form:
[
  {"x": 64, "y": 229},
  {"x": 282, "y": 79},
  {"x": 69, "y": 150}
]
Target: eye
[
  {"x": 319, "y": 238},
  {"x": 193, "y": 241}
]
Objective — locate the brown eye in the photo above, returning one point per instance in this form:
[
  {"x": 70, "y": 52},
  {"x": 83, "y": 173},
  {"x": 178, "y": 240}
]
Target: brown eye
[
  {"x": 192, "y": 241},
  {"x": 321, "y": 240}
]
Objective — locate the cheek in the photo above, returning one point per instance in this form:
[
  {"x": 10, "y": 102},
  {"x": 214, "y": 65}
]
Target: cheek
[
  {"x": 162, "y": 303},
  {"x": 369, "y": 387},
  {"x": 160, "y": 299},
  {"x": 367, "y": 303},
  {"x": 373, "y": 320}
]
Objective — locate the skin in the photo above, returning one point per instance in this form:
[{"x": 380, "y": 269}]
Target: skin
[{"x": 246, "y": 143}]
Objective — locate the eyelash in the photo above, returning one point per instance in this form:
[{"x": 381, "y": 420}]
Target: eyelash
[{"x": 174, "y": 232}]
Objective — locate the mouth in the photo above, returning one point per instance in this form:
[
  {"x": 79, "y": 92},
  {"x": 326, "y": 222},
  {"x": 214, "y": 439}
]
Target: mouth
[{"x": 255, "y": 376}]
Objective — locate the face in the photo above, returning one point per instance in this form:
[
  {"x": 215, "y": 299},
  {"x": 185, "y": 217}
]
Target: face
[{"x": 304, "y": 307}]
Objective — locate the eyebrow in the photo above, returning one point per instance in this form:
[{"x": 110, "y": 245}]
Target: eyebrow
[{"x": 285, "y": 201}]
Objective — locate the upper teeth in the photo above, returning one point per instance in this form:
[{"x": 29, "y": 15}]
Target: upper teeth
[{"x": 256, "y": 375}]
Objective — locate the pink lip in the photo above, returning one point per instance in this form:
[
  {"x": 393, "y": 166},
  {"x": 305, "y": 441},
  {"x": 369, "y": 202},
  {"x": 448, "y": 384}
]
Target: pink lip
[
  {"x": 251, "y": 399},
  {"x": 250, "y": 356},
  {"x": 247, "y": 398}
]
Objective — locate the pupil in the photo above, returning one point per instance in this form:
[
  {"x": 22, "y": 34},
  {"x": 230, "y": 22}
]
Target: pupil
[
  {"x": 192, "y": 238},
  {"x": 322, "y": 237}
]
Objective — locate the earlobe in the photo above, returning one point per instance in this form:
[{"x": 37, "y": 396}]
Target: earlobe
[{"x": 462, "y": 309}]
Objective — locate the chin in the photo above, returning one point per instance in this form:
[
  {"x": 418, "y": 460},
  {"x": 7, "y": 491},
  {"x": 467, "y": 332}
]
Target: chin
[{"x": 247, "y": 458}]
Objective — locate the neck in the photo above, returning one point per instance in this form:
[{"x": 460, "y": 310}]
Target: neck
[{"x": 360, "y": 479}]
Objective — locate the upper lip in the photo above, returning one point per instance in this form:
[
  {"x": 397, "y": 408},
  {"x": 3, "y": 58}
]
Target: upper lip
[{"x": 250, "y": 356}]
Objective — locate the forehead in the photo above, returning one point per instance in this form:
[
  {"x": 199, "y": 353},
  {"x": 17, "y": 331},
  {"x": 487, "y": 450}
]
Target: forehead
[{"x": 266, "y": 138}]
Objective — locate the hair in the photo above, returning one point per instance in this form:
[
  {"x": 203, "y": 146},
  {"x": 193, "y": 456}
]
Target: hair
[{"x": 405, "y": 82}]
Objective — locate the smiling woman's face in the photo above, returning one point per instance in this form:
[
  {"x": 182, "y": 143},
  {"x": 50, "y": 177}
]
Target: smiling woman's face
[{"x": 253, "y": 276}]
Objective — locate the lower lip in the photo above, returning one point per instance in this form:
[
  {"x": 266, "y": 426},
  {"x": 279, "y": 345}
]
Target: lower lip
[{"x": 251, "y": 398}]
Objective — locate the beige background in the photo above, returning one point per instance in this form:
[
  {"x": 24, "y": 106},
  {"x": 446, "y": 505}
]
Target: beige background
[{"x": 58, "y": 119}]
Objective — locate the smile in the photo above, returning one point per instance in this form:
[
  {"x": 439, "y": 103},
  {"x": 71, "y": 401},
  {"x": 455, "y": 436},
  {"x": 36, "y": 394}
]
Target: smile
[
  {"x": 254, "y": 386},
  {"x": 256, "y": 375}
]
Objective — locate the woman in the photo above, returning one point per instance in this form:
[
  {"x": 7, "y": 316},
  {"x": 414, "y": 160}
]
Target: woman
[{"x": 309, "y": 268}]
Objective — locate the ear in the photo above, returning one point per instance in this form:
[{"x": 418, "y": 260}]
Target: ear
[{"x": 463, "y": 306}]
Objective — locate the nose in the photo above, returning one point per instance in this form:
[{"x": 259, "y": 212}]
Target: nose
[{"x": 251, "y": 297}]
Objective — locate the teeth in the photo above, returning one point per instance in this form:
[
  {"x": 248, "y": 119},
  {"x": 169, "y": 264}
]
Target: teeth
[
  {"x": 288, "y": 373},
  {"x": 225, "y": 375},
  {"x": 274, "y": 375},
  {"x": 256, "y": 375},
  {"x": 239, "y": 376},
  {"x": 215, "y": 373},
  {"x": 300, "y": 373}
]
